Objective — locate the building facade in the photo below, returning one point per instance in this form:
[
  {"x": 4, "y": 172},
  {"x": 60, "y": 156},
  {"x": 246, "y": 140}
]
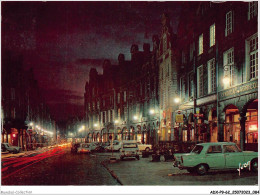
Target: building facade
[
  {"x": 22, "y": 107},
  {"x": 200, "y": 85},
  {"x": 218, "y": 79}
]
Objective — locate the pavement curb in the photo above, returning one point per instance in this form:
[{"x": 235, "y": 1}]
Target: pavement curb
[{"x": 104, "y": 163}]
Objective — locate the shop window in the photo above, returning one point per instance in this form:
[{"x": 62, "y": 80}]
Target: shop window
[{"x": 232, "y": 125}]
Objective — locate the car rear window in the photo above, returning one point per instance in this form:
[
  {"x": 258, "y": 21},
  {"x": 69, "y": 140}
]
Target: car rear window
[
  {"x": 197, "y": 149},
  {"x": 130, "y": 145}
]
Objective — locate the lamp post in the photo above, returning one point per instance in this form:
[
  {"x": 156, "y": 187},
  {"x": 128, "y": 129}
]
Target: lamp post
[{"x": 152, "y": 112}]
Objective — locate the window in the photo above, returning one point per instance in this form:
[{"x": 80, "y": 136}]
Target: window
[
  {"x": 118, "y": 98},
  {"x": 212, "y": 35},
  {"x": 124, "y": 96},
  {"x": 252, "y": 9},
  {"x": 191, "y": 85},
  {"x": 201, "y": 44},
  {"x": 183, "y": 58},
  {"x": 192, "y": 48},
  {"x": 200, "y": 81},
  {"x": 229, "y": 68},
  {"x": 97, "y": 104},
  {"x": 215, "y": 149},
  {"x": 164, "y": 44},
  {"x": 12, "y": 94},
  {"x": 230, "y": 148},
  {"x": 253, "y": 56},
  {"x": 211, "y": 76},
  {"x": 197, "y": 149},
  {"x": 229, "y": 23},
  {"x": 182, "y": 88}
]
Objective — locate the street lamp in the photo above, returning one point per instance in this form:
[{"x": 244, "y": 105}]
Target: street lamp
[
  {"x": 116, "y": 121},
  {"x": 135, "y": 117},
  {"x": 177, "y": 100},
  {"x": 152, "y": 111},
  {"x": 226, "y": 80}
]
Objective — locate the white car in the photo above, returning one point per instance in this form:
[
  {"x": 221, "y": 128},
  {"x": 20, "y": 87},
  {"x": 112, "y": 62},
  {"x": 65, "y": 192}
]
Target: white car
[
  {"x": 84, "y": 148},
  {"x": 216, "y": 156},
  {"x": 117, "y": 146},
  {"x": 129, "y": 149},
  {"x": 144, "y": 147}
]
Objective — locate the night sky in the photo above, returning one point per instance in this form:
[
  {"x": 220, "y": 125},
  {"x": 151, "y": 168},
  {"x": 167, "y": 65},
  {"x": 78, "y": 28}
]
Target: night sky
[{"x": 61, "y": 41}]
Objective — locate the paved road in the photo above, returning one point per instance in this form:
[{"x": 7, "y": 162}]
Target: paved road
[
  {"x": 145, "y": 172},
  {"x": 56, "y": 167},
  {"x": 60, "y": 167}
]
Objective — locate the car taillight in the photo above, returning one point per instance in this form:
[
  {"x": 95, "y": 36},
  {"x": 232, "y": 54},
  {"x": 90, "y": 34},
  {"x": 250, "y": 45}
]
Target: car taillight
[{"x": 181, "y": 159}]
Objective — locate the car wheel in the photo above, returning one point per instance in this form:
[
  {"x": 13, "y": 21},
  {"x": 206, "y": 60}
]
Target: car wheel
[
  {"x": 137, "y": 157},
  {"x": 254, "y": 165},
  {"x": 147, "y": 149},
  {"x": 201, "y": 169},
  {"x": 121, "y": 157}
]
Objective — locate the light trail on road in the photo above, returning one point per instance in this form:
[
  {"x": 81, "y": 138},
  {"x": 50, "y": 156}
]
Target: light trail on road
[{"x": 16, "y": 162}]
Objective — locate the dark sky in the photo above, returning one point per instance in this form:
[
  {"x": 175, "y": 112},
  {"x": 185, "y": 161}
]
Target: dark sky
[{"x": 61, "y": 41}]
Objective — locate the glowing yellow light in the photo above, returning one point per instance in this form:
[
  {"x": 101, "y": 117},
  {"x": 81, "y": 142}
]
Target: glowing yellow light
[
  {"x": 177, "y": 100},
  {"x": 152, "y": 111},
  {"x": 226, "y": 80},
  {"x": 135, "y": 117}
]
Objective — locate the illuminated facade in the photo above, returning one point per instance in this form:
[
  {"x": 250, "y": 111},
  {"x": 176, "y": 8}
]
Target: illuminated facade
[{"x": 218, "y": 77}]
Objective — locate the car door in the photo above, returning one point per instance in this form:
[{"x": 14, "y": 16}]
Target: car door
[
  {"x": 233, "y": 156},
  {"x": 215, "y": 157}
]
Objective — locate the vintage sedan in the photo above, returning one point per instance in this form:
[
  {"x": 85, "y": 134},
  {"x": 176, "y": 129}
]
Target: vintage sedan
[{"x": 216, "y": 156}]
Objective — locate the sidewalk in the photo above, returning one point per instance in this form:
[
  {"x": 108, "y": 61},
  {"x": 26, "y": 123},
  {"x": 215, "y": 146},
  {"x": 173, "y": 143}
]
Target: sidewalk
[{"x": 145, "y": 172}]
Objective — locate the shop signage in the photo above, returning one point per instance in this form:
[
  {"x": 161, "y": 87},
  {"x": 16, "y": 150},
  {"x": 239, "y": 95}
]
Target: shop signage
[
  {"x": 179, "y": 118},
  {"x": 240, "y": 89}
]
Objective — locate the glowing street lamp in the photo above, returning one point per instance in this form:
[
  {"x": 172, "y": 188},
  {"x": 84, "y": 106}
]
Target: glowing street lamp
[
  {"x": 177, "y": 100},
  {"x": 31, "y": 124},
  {"x": 226, "y": 80},
  {"x": 95, "y": 125},
  {"x": 135, "y": 117},
  {"x": 116, "y": 121},
  {"x": 152, "y": 111}
]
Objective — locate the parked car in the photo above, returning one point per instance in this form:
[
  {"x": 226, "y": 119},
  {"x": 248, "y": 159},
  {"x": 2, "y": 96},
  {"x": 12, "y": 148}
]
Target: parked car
[
  {"x": 129, "y": 149},
  {"x": 215, "y": 156},
  {"x": 5, "y": 147},
  {"x": 144, "y": 147},
  {"x": 84, "y": 148},
  {"x": 117, "y": 146}
]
